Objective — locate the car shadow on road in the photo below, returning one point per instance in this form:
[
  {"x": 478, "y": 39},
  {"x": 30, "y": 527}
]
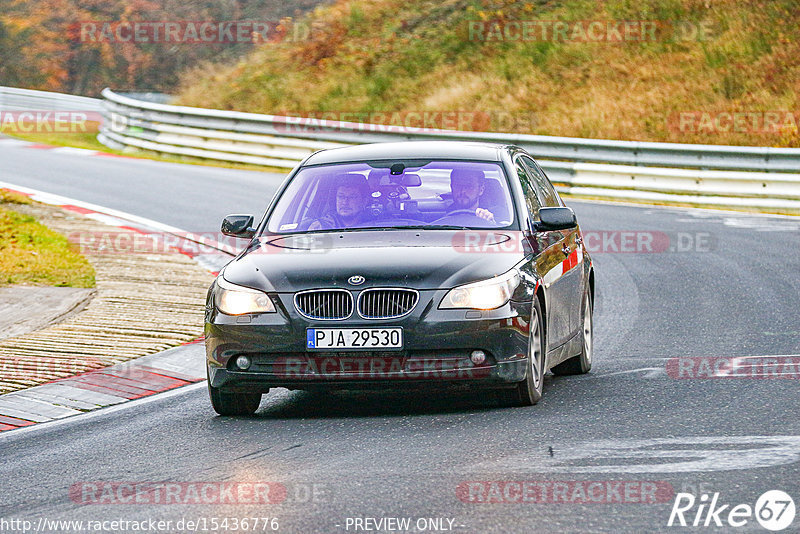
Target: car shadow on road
[{"x": 283, "y": 404}]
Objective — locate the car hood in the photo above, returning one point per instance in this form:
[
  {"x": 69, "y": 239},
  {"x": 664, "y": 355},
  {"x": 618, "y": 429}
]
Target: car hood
[{"x": 426, "y": 259}]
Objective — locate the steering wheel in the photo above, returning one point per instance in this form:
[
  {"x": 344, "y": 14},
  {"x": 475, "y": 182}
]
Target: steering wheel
[
  {"x": 464, "y": 218},
  {"x": 460, "y": 212}
]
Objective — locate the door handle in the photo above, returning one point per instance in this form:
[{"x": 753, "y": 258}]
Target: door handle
[{"x": 565, "y": 249}]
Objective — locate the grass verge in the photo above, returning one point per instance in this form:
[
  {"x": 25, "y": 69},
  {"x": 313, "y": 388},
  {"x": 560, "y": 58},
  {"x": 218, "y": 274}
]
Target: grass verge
[
  {"x": 706, "y": 64},
  {"x": 32, "y": 254}
]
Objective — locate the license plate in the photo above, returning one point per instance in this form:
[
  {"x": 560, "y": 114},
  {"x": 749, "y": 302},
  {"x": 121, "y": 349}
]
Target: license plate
[{"x": 354, "y": 338}]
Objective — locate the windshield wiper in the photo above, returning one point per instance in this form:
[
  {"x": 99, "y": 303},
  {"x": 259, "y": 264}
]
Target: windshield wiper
[
  {"x": 387, "y": 228},
  {"x": 432, "y": 227}
]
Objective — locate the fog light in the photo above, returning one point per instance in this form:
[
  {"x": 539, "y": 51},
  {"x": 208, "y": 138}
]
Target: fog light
[
  {"x": 243, "y": 362},
  {"x": 478, "y": 357}
]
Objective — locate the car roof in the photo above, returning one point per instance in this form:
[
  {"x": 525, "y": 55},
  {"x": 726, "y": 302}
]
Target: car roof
[{"x": 441, "y": 150}]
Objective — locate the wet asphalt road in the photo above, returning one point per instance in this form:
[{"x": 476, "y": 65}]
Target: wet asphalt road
[{"x": 730, "y": 290}]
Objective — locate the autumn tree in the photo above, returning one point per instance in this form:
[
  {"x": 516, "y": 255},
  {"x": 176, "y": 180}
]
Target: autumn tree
[{"x": 42, "y": 45}]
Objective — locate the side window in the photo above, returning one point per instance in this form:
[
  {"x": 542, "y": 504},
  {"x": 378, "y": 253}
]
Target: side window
[
  {"x": 531, "y": 200},
  {"x": 549, "y": 196}
]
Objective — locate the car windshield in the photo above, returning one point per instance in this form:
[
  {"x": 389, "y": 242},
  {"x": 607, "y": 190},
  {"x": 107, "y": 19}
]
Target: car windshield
[{"x": 405, "y": 194}]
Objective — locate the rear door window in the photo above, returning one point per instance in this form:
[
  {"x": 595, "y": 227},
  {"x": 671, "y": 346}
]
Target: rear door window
[
  {"x": 531, "y": 198},
  {"x": 547, "y": 193}
]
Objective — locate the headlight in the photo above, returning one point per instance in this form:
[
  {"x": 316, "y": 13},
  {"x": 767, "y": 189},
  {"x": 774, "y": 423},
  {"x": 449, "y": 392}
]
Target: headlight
[
  {"x": 483, "y": 295},
  {"x": 231, "y": 299}
]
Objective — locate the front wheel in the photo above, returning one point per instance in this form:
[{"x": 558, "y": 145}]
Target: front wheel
[
  {"x": 529, "y": 391},
  {"x": 230, "y": 403},
  {"x": 582, "y": 363}
]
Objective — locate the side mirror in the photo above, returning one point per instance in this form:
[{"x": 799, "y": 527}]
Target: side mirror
[
  {"x": 238, "y": 226},
  {"x": 555, "y": 219}
]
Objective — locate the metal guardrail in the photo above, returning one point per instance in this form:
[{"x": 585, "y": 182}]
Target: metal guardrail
[
  {"x": 216, "y": 122},
  {"x": 761, "y": 177},
  {"x": 687, "y": 186},
  {"x": 13, "y": 99}
]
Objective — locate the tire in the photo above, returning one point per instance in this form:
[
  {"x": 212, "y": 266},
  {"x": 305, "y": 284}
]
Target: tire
[
  {"x": 582, "y": 363},
  {"x": 229, "y": 403},
  {"x": 529, "y": 391}
]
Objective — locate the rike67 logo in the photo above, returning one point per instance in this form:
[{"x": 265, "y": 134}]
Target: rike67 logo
[{"x": 774, "y": 510}]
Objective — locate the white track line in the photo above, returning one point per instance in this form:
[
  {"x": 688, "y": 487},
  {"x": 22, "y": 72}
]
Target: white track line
[
  {"x": 568, "y": 199},
  {"x": 58, "y": 200},
  {"x": 10, "y": 434},
  {"x": 115, "y": 218}
]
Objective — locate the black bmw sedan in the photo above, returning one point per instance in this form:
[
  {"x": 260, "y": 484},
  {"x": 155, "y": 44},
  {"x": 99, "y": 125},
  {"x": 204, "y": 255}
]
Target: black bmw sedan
[{"x": 403, "y": 264}]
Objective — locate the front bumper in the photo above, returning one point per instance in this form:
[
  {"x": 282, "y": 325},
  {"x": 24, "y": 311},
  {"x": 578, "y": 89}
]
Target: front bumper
[{"x": 436, "y": 352}]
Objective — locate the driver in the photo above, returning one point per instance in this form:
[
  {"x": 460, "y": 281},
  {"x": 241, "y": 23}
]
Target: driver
[
  {"x": 467, "y": 186},
  {"x": 352, "y": 197}
]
